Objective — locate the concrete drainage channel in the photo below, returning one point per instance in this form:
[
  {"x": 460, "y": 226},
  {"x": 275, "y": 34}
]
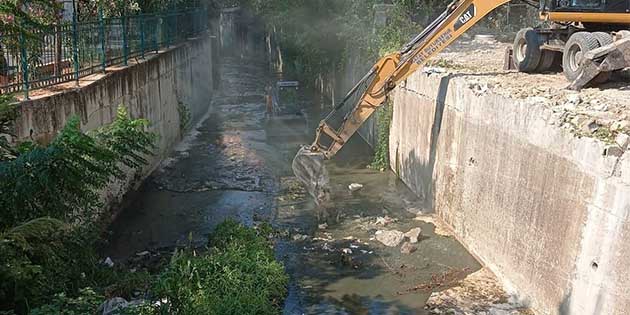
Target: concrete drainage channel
[{"x": 375, "y": 252}]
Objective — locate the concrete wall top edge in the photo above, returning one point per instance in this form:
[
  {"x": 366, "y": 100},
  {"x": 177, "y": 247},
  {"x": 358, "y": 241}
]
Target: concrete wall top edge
[{"x": 527, "y": 119}]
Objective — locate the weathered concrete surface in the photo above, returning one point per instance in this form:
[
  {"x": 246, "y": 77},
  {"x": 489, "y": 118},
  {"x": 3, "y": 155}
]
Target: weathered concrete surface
[
  {"x": 545, "y": 210},
  {"x": 150, "y": 89}
]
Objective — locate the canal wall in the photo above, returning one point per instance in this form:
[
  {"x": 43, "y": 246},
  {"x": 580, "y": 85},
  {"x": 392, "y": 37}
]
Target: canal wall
[
  {"x": 155, "y": 88},
  {"x": 547, "y": 211}
]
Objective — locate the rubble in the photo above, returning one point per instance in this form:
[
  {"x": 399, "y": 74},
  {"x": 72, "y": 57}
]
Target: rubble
[
  {"x": 414, "y": 235},
  {"x": 601, "y": 112},
  {"x": 478, "y": 293},
  {"x": 390, "y": 238},
  {"x": 355, "y": 186}
]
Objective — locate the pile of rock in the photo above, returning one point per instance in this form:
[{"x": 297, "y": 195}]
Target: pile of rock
[{"x": 393, "y": 238}]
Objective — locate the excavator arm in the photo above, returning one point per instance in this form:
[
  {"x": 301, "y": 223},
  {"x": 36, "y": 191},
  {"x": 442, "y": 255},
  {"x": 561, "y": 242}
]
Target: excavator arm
[
  {"x": 395, "y": 68},
  {"x": 383, "y": 77}
]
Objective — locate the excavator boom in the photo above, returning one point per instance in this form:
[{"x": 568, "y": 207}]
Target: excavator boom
[{"x": 389, "y": 71}]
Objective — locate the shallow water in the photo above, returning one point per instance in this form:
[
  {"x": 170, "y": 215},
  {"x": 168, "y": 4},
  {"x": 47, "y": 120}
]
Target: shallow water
[{"x": 232, "y": 170}]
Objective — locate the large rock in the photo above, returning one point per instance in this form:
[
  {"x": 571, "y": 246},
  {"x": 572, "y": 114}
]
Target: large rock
[
  {"x": 391, "y": 238},
  {"x": 414, "y": 235}
]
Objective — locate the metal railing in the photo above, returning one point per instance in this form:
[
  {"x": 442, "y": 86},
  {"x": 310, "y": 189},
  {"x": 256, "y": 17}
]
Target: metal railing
[{"x": 72, "y": 50}]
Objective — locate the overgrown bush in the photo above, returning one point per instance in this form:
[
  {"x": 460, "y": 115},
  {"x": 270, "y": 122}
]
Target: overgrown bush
[
  {"x": 239, "y": 275},
  {"x": 381, "y": 151},
  {"x": 40, "y": 258},
  {"x": 62, "y": 180},
  {"x": 85, "y": 303}
]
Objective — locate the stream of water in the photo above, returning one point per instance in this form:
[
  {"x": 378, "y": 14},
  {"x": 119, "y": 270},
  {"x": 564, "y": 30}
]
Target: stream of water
[{"x": 231, "y": 169}]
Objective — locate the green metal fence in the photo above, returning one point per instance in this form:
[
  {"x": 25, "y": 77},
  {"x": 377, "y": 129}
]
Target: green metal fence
[{"x": 69, "y": 51}]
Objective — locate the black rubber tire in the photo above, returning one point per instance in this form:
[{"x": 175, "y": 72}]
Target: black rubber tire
[
  {"x": 578, "y": 44},
  {"x": 546, "y": 61},
  {"x": 527, "y": 53},
  {"x": 603, "y": 38}
]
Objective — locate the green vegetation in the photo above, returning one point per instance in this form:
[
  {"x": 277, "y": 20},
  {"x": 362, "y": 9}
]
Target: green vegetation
[
  {"x": 63, "y": 179},
  {"x": 238, "y": 275},
  {"x": 381, "y": 151},
  {"x": 184, "y": 117},
  {"x": 50, "y": 200}
]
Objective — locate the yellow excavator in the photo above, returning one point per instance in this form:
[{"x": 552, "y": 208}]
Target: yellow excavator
[{"x": 592, "y": 36}]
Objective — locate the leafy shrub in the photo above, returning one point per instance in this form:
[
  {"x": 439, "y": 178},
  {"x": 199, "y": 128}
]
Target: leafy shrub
[
  {"x": 85, "y": 303},
  {"x": 40, "y": 258},
  {"x": 238, "y": 276},
  {"x": 62, "y": 180}
]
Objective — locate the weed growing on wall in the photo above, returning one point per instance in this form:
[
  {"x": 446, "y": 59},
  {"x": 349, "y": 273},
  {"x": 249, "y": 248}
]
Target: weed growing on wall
[
  {"x": 184, "y": 117},
  {"x": 381, "y": 151}
]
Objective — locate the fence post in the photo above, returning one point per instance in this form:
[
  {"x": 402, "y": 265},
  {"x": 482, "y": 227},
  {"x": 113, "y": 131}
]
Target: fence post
[
  {"x": 75, "y": 41},
  {"x": 124, "y": 34},
  {"x": 142, "y": 35},
  {"x": 166, "y": 28},
  {"x": 157, "y": 21},
  {"x": 24, "y": 57},
  {"x": 101, "y": 33}
]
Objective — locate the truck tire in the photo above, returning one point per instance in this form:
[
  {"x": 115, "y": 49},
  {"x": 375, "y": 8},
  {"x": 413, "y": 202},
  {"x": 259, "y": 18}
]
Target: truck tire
[
  {"x": 527, "y": 53},
  {"x": 578, "y": 44},
  {"x": 603, "y": 38}
]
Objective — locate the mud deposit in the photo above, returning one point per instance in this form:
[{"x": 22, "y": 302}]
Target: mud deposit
[{"x": 229, "y": 169}]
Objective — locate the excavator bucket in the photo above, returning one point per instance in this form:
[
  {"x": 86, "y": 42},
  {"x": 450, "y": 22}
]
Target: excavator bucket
[
  {"x": 309, "y": 168},
  {"x": 606, "y": 59}
]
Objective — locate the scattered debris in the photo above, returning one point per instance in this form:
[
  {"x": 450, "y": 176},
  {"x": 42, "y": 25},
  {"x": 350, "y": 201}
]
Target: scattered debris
[
  {"x": 347, "y": 251},
  {"x": 407, "y": 248},
  {"x": 300, "y": 237},
  {"x": 144, "y": 253},
  {"x": 108, "y": 262},
  {"x": 622, "y": 140},
  {"x": 437, "y": 281},
  {"x": 478, "y": 293},
  {"x": 384, "y": 220},
  {"x": 322, "y": 226},
  {"x": 606, "y": 104},
  {"x": 414, "y": 235},
  {"x": 390, "y": 238},
  {"x": 354, "y": 187}
]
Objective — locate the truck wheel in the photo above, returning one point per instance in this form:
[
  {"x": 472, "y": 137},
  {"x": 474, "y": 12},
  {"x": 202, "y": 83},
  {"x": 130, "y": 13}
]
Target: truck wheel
[
  {"x": 603, "y": 38},
  {"x": 578, "y": 44},
  {"x": 527, "y": 52}
]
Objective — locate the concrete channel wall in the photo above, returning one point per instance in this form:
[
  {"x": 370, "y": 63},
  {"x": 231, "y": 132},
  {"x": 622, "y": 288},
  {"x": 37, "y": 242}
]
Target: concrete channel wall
[
  {"x": 151, "y": 89},
  {"x": 546, "y": 211}
]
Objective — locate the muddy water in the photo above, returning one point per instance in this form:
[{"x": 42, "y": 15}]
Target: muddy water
[{"x": 230, "y": 169}]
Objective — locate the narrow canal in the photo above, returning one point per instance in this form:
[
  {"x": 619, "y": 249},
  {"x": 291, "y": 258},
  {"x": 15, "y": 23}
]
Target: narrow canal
[{"x": 229, "y": 167}]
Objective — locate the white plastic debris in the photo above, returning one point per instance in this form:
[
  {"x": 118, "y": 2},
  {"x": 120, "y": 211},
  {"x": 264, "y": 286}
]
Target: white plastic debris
[{"x": 355, "y": 186}]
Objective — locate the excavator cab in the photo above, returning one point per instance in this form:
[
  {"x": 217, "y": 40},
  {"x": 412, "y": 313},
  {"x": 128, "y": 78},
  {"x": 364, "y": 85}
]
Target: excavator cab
[
  {"x": 285, "y": 117},
  {"x": 589, "y": 39}
]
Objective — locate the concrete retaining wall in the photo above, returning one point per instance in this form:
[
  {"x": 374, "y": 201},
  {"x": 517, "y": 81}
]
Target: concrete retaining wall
[
  {"x": 546, "y": 211},
  {"x": 151, "y": 89}
]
